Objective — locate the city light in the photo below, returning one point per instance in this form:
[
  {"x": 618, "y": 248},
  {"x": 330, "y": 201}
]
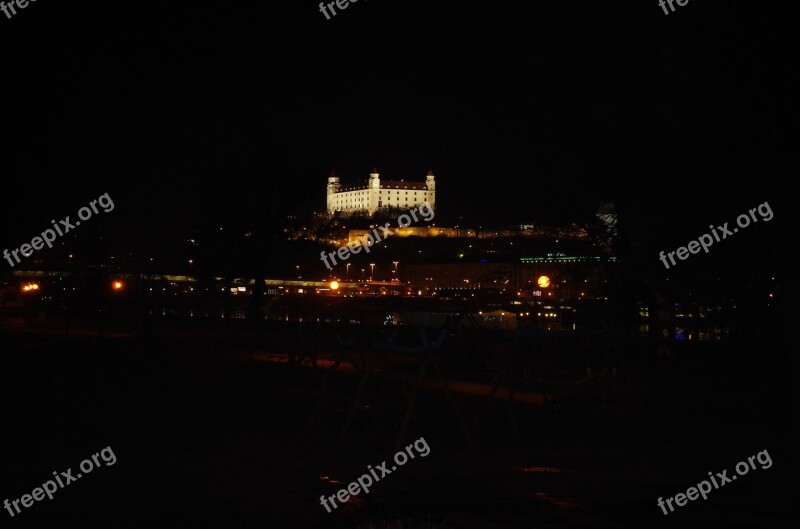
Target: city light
[
  {"x": 543, "y": 281},
  {"x": 117, "y": 285},
  {"x": 334, "y": 285},
  {"x": 30, "y": 287}
]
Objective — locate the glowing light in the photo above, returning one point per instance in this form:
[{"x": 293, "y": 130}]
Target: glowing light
[
  {"x": 117, "y": 285},
  {"x": 543, "y": 281},
  {"x": 30, "y": 287},
  {"x": 334, "y": 285}
]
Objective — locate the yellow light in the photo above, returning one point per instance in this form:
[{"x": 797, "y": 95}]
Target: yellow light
[
  {"x": 30, "y": 286},
  {"x": 334, "y": 285},
  {"x": 543, "y": 281},
  {"x": 117, "y": 285}
]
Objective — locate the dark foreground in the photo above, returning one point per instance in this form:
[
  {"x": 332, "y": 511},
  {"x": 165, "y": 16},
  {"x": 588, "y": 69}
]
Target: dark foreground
[{"x": 213, "y": 427}]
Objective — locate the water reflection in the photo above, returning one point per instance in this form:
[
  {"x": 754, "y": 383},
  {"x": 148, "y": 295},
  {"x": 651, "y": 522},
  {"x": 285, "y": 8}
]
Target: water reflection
[
  {"x": 546, "y": 470},
  {"x": 699, "y": 329},
  {"x": 561, "y": 503},
  {"x": 353, "y": 503}
]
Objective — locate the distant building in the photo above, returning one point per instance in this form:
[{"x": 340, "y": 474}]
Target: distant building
[
  {"x": 574, "y": 232},
  {"x": 376, "y": 195},
  {"x": 415, "y": 231},
  {"x": 575, "y": 277}
]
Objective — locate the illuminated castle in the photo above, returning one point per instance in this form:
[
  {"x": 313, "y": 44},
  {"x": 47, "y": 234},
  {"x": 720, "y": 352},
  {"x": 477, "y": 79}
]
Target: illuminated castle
[{"x": 376, "y": 194}]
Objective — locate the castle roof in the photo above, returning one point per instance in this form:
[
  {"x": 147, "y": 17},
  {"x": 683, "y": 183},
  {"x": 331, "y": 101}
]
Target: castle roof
[
  {"x": 388, "y": 184},
  {"x": 395, "y": 184},
  {"x": 354, "y": 187}
]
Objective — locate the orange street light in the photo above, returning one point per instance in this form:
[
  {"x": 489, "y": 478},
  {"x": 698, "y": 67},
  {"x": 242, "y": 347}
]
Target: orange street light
[
  {"x": 543, "y": 281},
  {"x": 117, "y": 285}
]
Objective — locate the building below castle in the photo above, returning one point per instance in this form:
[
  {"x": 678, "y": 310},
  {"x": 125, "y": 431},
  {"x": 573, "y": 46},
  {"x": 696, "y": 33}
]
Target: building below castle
[{"x": 377, "y": 195}]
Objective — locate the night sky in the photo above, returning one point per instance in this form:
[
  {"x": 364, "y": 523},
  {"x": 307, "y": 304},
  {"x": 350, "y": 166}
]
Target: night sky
[{"x": 201, "y": 114}]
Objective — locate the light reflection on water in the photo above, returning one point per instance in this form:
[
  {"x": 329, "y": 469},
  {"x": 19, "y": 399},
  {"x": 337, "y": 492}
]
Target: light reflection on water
[
  {"x": 561, "y": 503},
  {"x": 706, "y": 333},
  {"x": 353, "y": 503},
  {"x": 703, "y": 334},
  {"x": 709, "y": 333},
  {"x": 558, "y": 502},
  {"x": 547, "y": 470}
]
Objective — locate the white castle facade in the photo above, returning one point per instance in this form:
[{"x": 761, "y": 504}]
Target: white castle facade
[{"x": 376, "y": 194}]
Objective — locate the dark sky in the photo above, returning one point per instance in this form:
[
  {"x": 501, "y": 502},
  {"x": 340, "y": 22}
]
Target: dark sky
[{"x": 192, "y": 113}]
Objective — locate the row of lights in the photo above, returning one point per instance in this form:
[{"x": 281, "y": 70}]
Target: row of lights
[{"x": 116, "y": 285}]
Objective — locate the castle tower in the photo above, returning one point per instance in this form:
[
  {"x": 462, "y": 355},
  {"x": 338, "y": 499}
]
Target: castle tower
[
  {"x": 333, "y": 187},
  {"x": 430, "y": 184},
  {"x": 333, "y": 183},
  {"x": 374, "y": 179}
]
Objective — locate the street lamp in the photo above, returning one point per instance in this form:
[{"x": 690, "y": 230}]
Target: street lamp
[
  {"x": 372, "y": 271},
  {"x": 298, "y": 271},
  {"x": 362, "y": 274},
  {"x": 394, "y": 272}
]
